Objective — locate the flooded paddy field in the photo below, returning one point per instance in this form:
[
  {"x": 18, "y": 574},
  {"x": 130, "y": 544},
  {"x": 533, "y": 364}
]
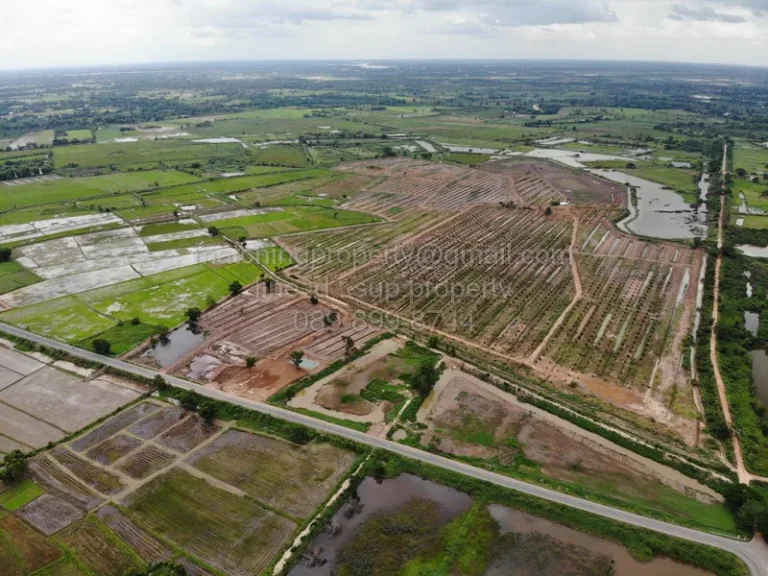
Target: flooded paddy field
[{"x": 407, "y": 524}]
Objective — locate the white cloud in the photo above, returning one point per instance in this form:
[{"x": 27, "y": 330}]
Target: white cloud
[{"x": 84, "y": 32}]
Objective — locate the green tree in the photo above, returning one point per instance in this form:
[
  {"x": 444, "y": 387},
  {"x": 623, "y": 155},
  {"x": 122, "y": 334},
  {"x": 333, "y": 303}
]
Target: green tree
[
  {"x": 250, "y": 362},
  {"x": 235, "y": 288},
  {"x": 159, "y": 383},
  {"x": 189, "y": 400},
  {"x": 193, "y": 314},
  {"x": 102, "y": 346},
  {"x": 297, "y": 357},
  {"x": 213, "y": 231},
  {"x": 14, "y": 467},
  {"x": 5, "y": 254},
  {"x": 207, "y": 411}
]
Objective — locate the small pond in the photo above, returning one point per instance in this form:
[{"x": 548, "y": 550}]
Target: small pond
[
  {"x": 660, "y": 212},
  {"x": 180, "y": 341},
  {"x": 760, "y": 375},
  {"x": 375, "y": 498}
]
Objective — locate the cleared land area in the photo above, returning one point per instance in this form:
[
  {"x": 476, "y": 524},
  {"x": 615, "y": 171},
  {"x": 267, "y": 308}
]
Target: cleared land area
[
  {"x": 260, "y": 466},
  {"x": 40, "y": 403},
  {"x": 268, "y": 326}
]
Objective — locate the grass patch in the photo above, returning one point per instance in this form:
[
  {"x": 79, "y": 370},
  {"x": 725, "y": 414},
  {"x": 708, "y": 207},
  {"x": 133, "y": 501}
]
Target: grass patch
[
  {"x": 274, "y": 258},
  {"x": 14, "y": 276},
  {"x": 467, "y": 158},
  {"x": 231, "y": 533},
  {"x": 296, "y": 219},
  {"x": 123, "y": 338},
  {"x": 66, "y": 319},
  {"x": 19, "y": 495}
]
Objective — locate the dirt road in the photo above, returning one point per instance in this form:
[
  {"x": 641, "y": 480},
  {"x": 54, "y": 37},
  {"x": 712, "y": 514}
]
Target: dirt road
[{"x": 744, "y": 476}]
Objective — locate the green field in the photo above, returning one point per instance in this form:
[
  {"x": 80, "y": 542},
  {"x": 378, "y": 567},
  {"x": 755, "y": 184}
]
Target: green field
[
  {"x": 229, "y": 532},
  {"x": 274, "y": 258},
  {"x": 291, "y": 220},
  {"x": 79, "y": 135},
  {"x": 13, "y": 276},
  {"x": 750, "y": 158},
  {"x": 123, "y": 338},
  {"x": 66, "y": 319},
  {"x": 467, "y": 158},
  {"x": 20, "y": 495}
]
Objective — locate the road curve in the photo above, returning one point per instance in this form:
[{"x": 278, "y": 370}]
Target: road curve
[{"x": 754, "y": 553}]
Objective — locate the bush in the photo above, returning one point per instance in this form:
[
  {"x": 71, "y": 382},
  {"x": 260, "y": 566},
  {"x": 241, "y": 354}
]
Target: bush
[
  {"x": 14, "y": 467},
  {"x": 5, "y": 254},
  {"x": 193, "y": 314},
  {"x": 135, "y": 321},
  {"x": 250, "y": 362},
  {"x": 102, "y": 346}
]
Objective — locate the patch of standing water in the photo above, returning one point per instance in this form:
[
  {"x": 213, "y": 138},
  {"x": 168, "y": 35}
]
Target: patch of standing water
[
  {"x": 375, "y": 498},
  {"x": 220, "y": 140},
  {"x": 760, "y": 375},
  {"x": 510, "y": 520},
  {"x": 752, "y": 322},
  {"x": 573, "y": 158},
  {"x": 307, "y": 364},
  {"x": 752, "y": 251},
  {"x": 660, "y": 213},
  {"x": 180, "y": 341}
]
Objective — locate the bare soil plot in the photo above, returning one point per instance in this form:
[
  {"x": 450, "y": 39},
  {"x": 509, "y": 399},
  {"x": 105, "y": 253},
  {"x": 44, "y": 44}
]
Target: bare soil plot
[
  {"x": 498, "y": 276},
  {"x": 49, "y": 514},
  {"x": 66, "y": 401},
  {"x": 240, "y": 538},
  {"x": 97, "y": 478},
  {"x": 324, "y": 256},
  {"x": 158, "y": 422},
  {"x": 48, "y": 475},
  {"x": 542, "y": 182},
  {"x": 23, "y": 550},
  {"x": 189, "y": 434},
  {"x": 149, "y": 548},
  {"x": 100, "y": 551},
  {"x": 293, "y": 478},
  {"x": 111, "y": 450},
  {"x": 26, "y": 430},
  {"x": 7, "y": 445},
  {"x": 413, "y": 183},
  {"x": 146, "y": 462},
  {"x": 18, "y": 362},
  {"x": 113, "y": 425},
  {"x": 268, "y": 327},
  {"x": 8, "y": 377},
  {"x": 471, "y": 418}
]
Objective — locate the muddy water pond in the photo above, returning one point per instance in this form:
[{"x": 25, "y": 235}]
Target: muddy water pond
[
  {"x": 521, "y": 523},
  {"x": 660, "y": 213},
  {"x": 375, "y": 498},
  {"x": 760, "y": 375},
  {"x": 180, "y": 341}
]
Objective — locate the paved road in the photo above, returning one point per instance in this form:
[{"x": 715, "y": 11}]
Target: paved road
[{"x": 754, "y": 554}]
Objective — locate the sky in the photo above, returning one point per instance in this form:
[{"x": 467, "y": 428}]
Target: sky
[{"x": 55, "y": 33}]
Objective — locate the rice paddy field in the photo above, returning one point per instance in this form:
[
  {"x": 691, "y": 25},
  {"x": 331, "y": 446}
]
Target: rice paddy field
[{"x": 156, "y": 483}]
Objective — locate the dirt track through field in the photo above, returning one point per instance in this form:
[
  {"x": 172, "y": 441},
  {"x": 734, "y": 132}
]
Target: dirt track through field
[
  {"x": 744, "y": 476},
  {"x": 576, "y": 297}
]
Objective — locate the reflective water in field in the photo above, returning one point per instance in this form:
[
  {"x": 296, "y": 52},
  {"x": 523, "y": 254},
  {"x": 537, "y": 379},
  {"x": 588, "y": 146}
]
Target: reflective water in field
[
  {"x": 660, "y": 213},
  {"x": 760, "y": 375},
  {"x": 391, "y": 494},
  {"x": 519, "y": 522},
  {"x": 180, "y": 341}
]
